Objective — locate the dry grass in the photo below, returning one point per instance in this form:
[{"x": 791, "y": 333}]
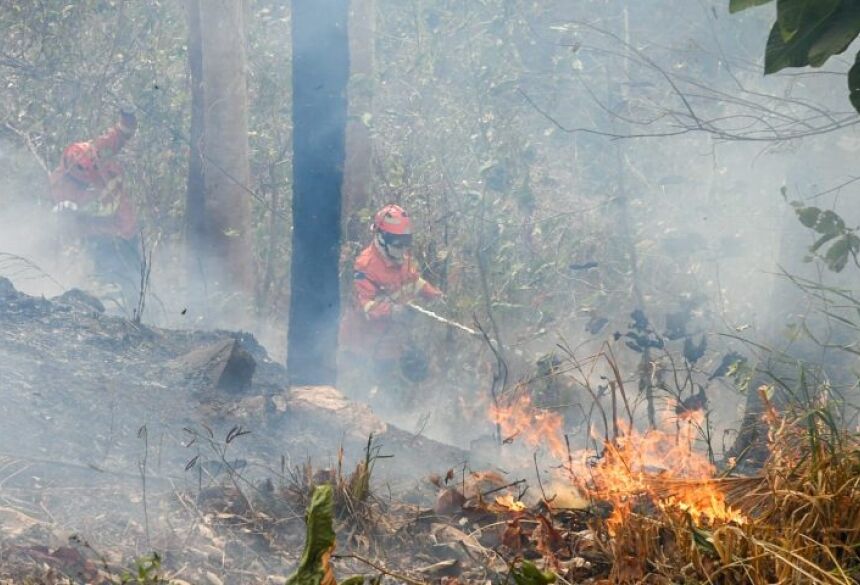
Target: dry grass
[{"x": 802, "y": 518}]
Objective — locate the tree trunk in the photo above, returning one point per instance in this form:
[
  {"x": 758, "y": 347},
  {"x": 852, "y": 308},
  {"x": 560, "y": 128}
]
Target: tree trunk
[
  {"x": 195, "y": 202},
  {"x": 320, "y": 75},
  {"x": 227, "y": 257},
  {"x": 357, "y": 174}
]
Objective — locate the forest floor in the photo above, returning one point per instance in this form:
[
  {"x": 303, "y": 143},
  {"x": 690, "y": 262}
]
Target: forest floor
[{"x": 122, "y": 443}]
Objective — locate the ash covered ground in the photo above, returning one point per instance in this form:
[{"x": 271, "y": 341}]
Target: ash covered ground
[{"x": 98, "y": 414}]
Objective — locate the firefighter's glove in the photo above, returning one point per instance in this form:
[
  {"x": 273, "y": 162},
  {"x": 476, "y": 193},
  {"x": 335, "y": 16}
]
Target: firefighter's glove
[{"x": 65, "y": 208}]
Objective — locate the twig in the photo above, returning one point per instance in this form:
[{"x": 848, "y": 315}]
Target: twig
[
  {"x": 381, "y": 569},
  {"x": 142, "y": 433},
  {"x": 504, "y": 487},
  {"x": 500, "y": 374},
  {"x": 540, "y": 483},
  {"x": 28, "y": 140}
]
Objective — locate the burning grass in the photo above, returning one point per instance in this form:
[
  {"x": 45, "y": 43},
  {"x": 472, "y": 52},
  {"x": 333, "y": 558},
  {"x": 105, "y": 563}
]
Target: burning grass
[{"x": 672, "y": 516}]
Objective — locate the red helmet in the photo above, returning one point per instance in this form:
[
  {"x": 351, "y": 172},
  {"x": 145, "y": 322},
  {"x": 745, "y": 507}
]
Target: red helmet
[
  {"x": 81, "y": 161},
  {"x": 393, "y": 230},
  {"x": 392, "y": 219}
]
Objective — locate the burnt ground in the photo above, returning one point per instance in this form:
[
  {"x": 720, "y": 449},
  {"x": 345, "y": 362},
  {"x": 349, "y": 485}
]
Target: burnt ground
[{"x": 95, "y": 420}]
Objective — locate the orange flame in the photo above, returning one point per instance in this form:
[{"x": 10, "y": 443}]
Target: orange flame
[
  {"x": 535, "y": 426},
  {"x": 663, "y": 467},
  {"x": 658, "y": 466}
]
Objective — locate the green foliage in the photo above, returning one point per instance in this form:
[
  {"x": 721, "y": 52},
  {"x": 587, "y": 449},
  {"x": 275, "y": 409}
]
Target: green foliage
[
  {"x": 528, "y": 574},
  {"x": 808, "y": 33},
  {"x": 314, "y": 568},
  {"x": 738, "y": 5},
  {"x": 854, "y": 83},
  {"x": 145, "y": 572},
  {"x": 844, "y": 244},
  {"x": 702, "y": 539}
]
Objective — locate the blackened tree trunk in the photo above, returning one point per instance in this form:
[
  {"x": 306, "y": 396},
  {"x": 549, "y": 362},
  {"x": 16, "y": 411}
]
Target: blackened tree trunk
[
  {"x": 227, "y": 257},
  {"x": 195, "y": 202},
  {"x": 320, "y": 75}
]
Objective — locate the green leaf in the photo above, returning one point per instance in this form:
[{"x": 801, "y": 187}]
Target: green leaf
[
  {"x": 820, "y": 242},
  {"x": 703, "y": 539},
  {"x": 808, "y": 216},
  {"x": 854, "y": 83},
  {"x": 838, "y": 36},
  {"x": 820, "y": 27},
  {"x": 314, "y": 568},
  {"x": 791, "y": 15},
  {"x": 839, "y": 253},
  {"x": 529, "y": 574},
  {"x": 738, "y": 5},
  {"x": 354, "y": 580},
  {"x": 829, "y": 223}
]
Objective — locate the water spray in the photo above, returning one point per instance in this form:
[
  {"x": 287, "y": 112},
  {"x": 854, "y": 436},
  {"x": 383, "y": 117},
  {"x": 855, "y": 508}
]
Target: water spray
[{"x": 452, "y": 324}]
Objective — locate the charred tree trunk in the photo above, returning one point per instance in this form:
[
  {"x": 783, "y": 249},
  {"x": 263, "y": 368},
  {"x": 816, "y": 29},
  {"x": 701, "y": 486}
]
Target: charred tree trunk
[
  {"x": 359, "y": 147},
  {"x": 227, "y": 257},
  {"x": 320, "y": 75},
  {"x": 195, "y": 202}
]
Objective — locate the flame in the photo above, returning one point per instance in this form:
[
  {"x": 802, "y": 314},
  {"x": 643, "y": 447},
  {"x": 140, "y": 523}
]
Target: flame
[
  {"x": 510, "y": 504},
  {"x": 662, "y": 468},
  {"x": 518, "y": 419},
  {"x": 658, "y": 468}
]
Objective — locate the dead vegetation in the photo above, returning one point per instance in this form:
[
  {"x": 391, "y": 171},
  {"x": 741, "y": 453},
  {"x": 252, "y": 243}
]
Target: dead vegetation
[{"x": 795, "y": 522}]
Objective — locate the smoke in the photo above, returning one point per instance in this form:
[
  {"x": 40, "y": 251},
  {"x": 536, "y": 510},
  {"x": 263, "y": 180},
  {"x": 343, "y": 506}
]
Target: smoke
[{"x": 534, "y": 115}]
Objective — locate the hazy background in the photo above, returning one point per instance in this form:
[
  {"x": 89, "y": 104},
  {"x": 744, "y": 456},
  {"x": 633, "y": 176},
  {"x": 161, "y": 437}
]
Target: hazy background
[{"x": 525, "y": 137}]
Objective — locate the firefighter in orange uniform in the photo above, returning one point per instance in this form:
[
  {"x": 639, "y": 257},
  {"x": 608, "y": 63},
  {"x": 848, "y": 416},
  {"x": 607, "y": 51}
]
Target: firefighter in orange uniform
[
  {"x": 376, "y": 327},
  {"x": 89, "y": 196}
]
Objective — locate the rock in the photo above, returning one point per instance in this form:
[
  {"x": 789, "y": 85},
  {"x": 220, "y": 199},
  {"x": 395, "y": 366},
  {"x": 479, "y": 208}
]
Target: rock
[
  {"x": 327, "y": 405},
  {"x": 7, "y": 289},
  {"x": 80, "y": 300},
  {"x": 225, "y": 365}
]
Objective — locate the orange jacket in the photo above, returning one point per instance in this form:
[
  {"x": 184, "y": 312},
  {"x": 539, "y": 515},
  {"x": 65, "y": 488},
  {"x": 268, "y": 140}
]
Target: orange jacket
[
  {"x": 378, "y": 284},
  {"x": 105, "y": 208}
]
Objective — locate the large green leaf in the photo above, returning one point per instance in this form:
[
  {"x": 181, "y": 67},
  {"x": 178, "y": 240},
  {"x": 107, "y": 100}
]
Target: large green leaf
[
  {"x": 838, "y": 36},
  {"x": 792, "y": 14},
  {"x": 738, "y": 5},
  {"x": 314, "y": 568},
  {"x": 854, "y": 83},
  {"x": 821, "y": 33}
]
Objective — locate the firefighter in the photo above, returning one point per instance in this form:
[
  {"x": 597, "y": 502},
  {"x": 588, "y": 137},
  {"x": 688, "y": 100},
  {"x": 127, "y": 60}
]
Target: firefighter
[
  {"x": 94, "y": 209},
  {"x": 376, "y": 332}
]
